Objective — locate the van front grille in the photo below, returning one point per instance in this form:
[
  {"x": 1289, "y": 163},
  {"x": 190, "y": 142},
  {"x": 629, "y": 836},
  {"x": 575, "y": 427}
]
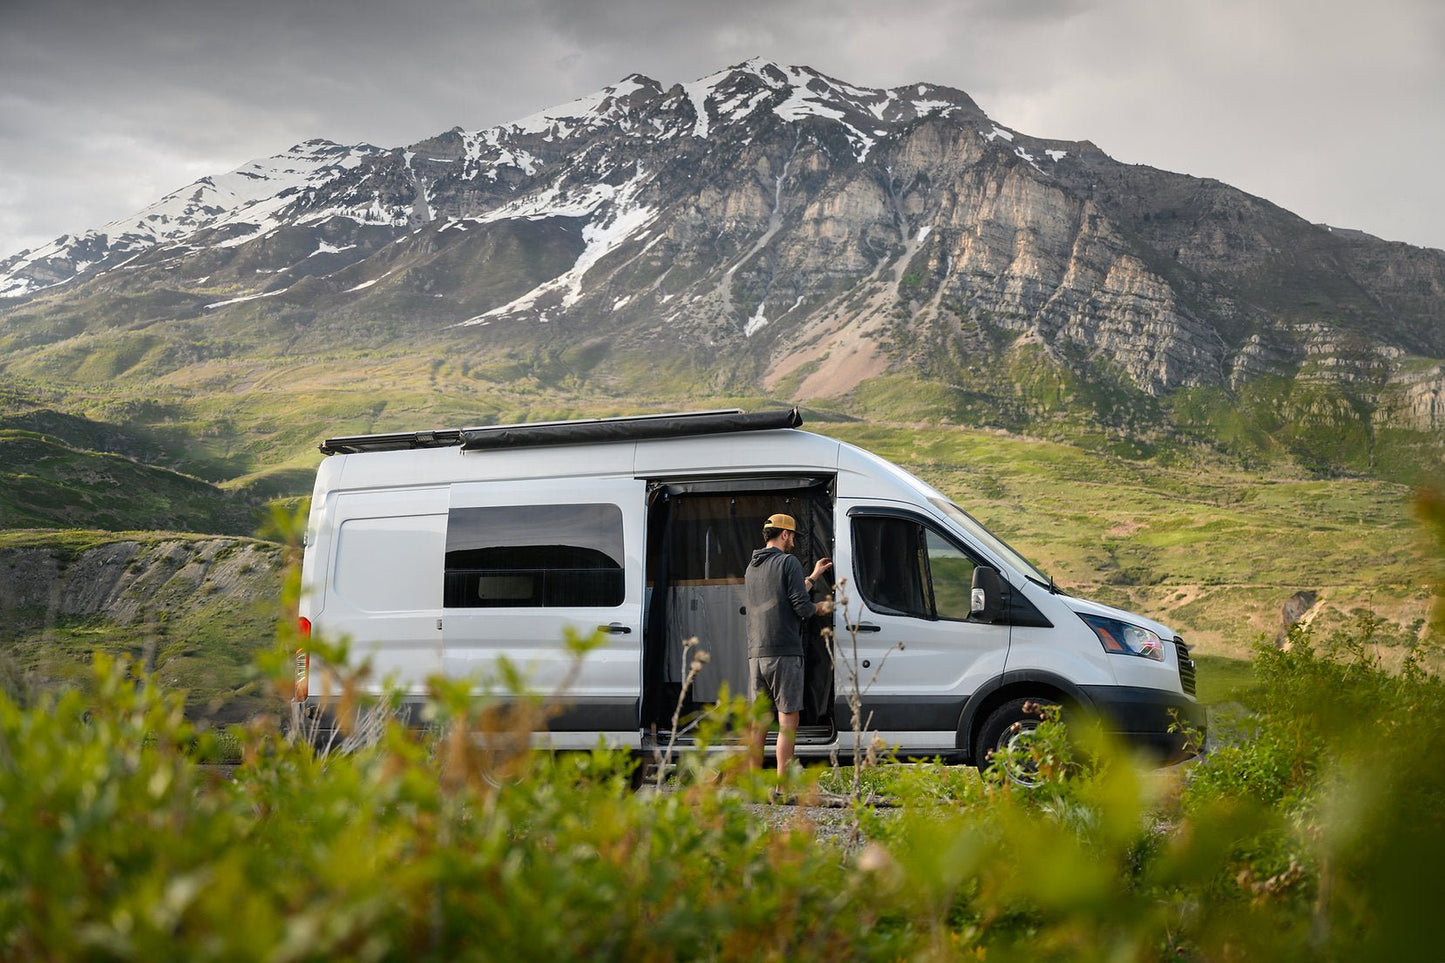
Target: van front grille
[{"x": 1186, "y": 666}]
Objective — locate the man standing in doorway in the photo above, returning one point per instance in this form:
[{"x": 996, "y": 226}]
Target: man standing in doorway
[{"x": 775, "y": 592}]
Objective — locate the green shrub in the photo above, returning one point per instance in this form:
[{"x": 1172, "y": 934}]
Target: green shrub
[
  {"x": 1315, "y": 836},
  {"x": 1315, "y": 831}
]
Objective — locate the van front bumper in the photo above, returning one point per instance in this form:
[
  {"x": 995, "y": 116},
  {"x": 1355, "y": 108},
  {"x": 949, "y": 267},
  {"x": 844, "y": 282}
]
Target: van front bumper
[{"x": 1168, "y": 725}]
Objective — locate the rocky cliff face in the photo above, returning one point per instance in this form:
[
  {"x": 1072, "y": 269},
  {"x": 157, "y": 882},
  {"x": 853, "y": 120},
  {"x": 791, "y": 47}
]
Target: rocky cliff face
[
  {"x": 785, "y": 228},
  {"x": 195, "y": 611},
  {"x": 128, "y": 581}
]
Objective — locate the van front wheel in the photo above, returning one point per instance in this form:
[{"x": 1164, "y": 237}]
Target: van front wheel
[{"x": 1011, "y": 726}]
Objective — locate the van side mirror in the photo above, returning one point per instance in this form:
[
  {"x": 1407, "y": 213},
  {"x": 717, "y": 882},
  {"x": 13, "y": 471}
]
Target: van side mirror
[{"x": 986, "y": 601}]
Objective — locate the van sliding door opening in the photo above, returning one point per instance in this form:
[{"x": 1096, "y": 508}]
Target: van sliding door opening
[{"x": 700, "y": 537}]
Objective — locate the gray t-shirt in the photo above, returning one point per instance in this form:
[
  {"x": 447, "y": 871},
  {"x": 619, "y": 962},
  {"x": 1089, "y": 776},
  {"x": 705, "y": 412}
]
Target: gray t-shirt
[{"x": 777, "y": 602}]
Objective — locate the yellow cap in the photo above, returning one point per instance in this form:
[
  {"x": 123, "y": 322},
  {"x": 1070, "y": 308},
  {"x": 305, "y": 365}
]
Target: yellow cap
[{"x": 781, "y": 521}]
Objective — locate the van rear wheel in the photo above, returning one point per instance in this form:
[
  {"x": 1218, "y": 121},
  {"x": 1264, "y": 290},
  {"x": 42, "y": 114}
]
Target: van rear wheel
[{"x": 1010, "y": 727}]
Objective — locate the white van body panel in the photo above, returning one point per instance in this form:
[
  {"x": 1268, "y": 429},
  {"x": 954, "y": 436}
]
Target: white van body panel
[
  {"x": 381, "y": 590},
  {"x": 757, "y": 453},
  {"x": 863, "y": 475},
  {"x": 1068, "y": 648},
  {"x": 1076, "y": 656}
]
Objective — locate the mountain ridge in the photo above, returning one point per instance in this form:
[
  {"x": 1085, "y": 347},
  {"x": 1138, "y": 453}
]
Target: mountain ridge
[
  {"x": 791, "y": 232},
  {"x": 312, "y": 164}
]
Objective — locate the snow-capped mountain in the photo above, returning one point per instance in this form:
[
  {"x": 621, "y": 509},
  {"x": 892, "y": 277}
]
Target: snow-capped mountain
[
  {"x": 292, "y": 188},
  {"x": 800, "y": 232},
  {"x": 244, "y": 203}
]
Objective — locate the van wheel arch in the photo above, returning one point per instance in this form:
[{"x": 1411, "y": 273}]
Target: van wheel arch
[{"x": 984, "y": 704}]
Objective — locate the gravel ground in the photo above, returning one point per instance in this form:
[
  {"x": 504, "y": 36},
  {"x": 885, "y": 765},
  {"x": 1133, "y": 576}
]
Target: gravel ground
[
  {"x": 834, "y": 824},
  {"x": 831, "y": 816}
]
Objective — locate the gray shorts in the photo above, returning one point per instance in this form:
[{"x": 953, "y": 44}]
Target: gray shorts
[{"x": 780, "y": 678}]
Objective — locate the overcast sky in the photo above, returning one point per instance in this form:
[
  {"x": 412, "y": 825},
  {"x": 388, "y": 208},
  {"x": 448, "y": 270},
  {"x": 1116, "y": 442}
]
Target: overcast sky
[{"x": 1331, "y": 108}]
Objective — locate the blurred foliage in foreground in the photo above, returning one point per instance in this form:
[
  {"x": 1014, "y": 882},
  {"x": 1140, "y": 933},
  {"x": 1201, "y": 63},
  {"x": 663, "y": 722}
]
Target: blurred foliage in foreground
[
  {"x": 1313, "y": 832},
  {"x": 1313, "y": 829}
]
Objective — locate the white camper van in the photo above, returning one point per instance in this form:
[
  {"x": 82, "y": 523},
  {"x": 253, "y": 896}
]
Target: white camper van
[{"x": 437, "y": 552}]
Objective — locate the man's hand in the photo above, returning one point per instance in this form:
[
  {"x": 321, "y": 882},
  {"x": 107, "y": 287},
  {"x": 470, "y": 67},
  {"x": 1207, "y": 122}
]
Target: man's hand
[{"x": 821, "y": 566}]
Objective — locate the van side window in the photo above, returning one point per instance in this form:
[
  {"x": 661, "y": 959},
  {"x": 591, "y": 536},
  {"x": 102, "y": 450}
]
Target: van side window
[
  {"x": 534, "y": 556},
  {"x": 906, "y": 568},
  {"x": 952, "y": 573}
]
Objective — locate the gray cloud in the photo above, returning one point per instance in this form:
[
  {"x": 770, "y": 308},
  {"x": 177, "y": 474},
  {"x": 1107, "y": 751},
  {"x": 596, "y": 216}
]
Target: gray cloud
[{"x": 1327, "y": 107}]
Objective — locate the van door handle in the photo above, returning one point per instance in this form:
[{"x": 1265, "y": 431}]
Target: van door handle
[
  {"x": 865, "y": 627},
  {"x": 616, "y": 628}
]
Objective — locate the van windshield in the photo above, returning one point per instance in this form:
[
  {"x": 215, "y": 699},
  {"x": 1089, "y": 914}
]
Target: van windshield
[{"x": 988, "y": 539}]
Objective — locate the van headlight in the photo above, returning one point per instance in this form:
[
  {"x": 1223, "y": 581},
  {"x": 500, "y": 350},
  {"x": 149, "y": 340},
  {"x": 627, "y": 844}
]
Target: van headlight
[{"x": 1121, "y": 638}]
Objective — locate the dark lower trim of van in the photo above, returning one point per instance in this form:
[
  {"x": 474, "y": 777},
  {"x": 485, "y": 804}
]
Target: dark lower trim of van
[
  {"x": 595, "y": 715},
  {"x": 1144, "y": 717},
  {"x": 1139, "y": 714},
  {"x": 902, "y": 713},
  {"x": 600, "y": 715}
]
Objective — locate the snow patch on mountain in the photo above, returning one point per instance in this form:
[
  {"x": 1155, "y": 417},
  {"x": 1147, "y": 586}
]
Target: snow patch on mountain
[
  {"x": 757, "y": 322},
  {"x": 601, "y": 239},
  {"x": 926, "y": 107},
  {"x": 244, "y": 298},
  {"x": 800, "y": 105},
  {"x": 553, "y": 201},
  {"x": 483, "y": 152},
  {"x": 697, "y": 92},
  {"x": 585, "y": 113},
  {"x": 366, "y": 284},
  {"x": 323, "y": 248},
  {"x": 615, "y": 216},
  {"x": 250, "y": 198}
]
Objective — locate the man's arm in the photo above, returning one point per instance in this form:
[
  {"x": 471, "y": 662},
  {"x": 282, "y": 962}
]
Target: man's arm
[{"x": 796, "y": 587}]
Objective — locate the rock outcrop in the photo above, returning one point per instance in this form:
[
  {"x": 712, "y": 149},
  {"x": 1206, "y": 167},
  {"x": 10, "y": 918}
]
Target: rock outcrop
[{"x": 129, "y": 581}]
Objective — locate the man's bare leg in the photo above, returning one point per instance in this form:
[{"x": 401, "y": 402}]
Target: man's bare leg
[
  {"x": 787, "y": 737},
  {"x": 757, "y": 740}
]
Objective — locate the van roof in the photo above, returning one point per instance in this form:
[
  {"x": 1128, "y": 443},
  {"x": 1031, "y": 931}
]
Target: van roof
[{"x": 580, "y": 431}]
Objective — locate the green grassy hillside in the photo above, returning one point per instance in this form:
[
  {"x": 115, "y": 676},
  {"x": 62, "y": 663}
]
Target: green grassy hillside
[
  {"x": 1213, "y": 545},
  {"x": 45, "y": 483}
]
